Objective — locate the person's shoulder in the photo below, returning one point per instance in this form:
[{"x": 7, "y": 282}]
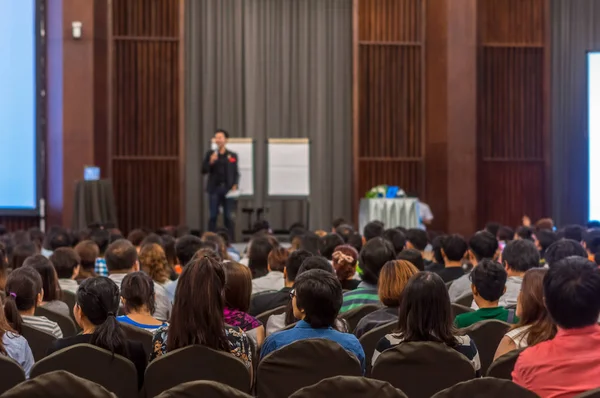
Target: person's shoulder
[
  {"x": 464, "y": 320},
  {"x": 14, "y": 339},
  {"x": 234, "y": 331}
]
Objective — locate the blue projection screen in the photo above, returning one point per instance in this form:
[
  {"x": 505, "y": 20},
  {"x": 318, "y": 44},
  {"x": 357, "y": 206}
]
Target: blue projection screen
[
  {"x": 18, "y": 121},
  {"x": 594, "y": 133}
]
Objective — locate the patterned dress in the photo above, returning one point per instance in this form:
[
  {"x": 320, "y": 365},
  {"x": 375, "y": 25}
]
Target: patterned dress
[{"x": 240, "y": 319}]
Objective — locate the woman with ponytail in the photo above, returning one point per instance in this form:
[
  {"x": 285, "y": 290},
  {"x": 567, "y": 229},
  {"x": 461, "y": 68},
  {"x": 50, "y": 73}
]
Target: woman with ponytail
[
  {"x": 344, "y": 259},
  {"x": 95, "y": 312}
]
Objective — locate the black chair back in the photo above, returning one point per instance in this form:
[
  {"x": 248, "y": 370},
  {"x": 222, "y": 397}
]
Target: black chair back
[
  {"x": 487, "y": 387},
  {"x": 70, "y": 299},
  {"x": 67, "y": 325},
  {"x": 58, "y": 384},
  {"x": 264, "y": 317},
  {"x": 204, "y": 389},
  {"x": 12, "y": 373},
  {"x": 502, "y": 367},
  {"x": 370, "y": 339},
  {"x": 349, "y": 387},
  {"x": 458, "y": 309},
  {"x": 356, "y": 314},
  {"x": 487, "y": 335},
  {"x": 39, "y": 341},
  {"x": 141, "y": 335},
  {"x": 465, "y": 300}
]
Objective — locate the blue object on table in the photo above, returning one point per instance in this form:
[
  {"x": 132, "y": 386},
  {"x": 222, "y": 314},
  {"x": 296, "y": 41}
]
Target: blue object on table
[{"x": 391, "y": 192}]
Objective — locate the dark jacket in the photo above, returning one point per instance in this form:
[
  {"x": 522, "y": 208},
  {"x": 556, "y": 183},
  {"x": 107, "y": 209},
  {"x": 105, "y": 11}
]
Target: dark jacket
[{"x": 232, "y": 175}]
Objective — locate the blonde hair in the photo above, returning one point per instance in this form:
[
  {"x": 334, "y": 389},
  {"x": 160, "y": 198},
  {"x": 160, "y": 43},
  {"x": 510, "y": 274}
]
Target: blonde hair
[
  {"x": 392, "y": 279},
  {"x": 153, "y": 261}
]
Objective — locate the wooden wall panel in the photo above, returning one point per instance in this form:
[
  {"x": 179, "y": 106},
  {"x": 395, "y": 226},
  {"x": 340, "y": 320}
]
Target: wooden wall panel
[
  {"x": 512, "y": 114},
  {"x": 146, "y": 111}
]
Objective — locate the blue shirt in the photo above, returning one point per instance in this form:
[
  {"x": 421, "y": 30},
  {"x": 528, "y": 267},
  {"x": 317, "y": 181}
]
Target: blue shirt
[
  {"x": 303, "y": 330},
  {"x": 18, "y": 349},
  {"x": 100, "y": 267},
  {"x": 129, "y": 321}
]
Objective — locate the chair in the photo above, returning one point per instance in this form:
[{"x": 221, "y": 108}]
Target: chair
[
  {"x": 114, "y": 372},
  {"x": 204, "y": 389},
  {"x": 487, "y": 387},
  {"x": 487, "y": 335},
  {"x": 502, "y": 367},
  {"x": 141, "y": 335},
  {"x": 66, "y": 323},
  {"x": 12, "y": 373},
  {"x": 303, "y": 363},
  {"x": 458, "y": 309},
  {"x": 195, "y": 363},
  {"x": 590, "y": 394},
  {"x": 420, "y": 369},
  {"x": 370, "y": 339},
  {"x": 465, "y": 300},
  {"x": 356, "y": 314},
  {"x": 58, "y": 384},
  {"x": 70, "y": 299},
  {"x": 349, "y": 387},
  {"x": 264, "y": 317},
  {"x": 39, "y": 341}
]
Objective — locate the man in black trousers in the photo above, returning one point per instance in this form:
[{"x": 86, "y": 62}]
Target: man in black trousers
[{"x": 221, "y": 166}]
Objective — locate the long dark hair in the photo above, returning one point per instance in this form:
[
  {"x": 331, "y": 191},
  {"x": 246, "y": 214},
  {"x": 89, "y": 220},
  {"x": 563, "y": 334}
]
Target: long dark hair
[
  {"x": 137, "y": 289},
  {"x": 20, "y": 253},
  {"x": 22, "y": 288},
  {"x": 44, "y": 267},
  {"x": 425, "y": 313},
  {"x": 98, "y": 299},
  {"x": 197, "y": 316},
  {"x": 258, "y": 254}
]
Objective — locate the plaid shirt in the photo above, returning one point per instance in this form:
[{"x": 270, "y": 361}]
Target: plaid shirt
[{"x": 100, "y": 267}]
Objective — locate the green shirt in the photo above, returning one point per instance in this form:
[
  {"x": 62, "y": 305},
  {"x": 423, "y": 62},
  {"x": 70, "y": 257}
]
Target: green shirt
[
  {"x": 483, "y": 314},
  {"x": 364, "y": 294}
]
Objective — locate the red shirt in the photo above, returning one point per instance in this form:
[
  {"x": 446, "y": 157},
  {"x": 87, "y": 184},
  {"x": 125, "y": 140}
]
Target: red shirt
[{"x": 563, "y": 367}]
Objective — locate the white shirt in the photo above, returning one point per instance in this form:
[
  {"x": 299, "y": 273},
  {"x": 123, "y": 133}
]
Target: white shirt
[
  {"x": 272, "y": 281},
  {"x": 519, "y": 336},
  {"x": 460, "y": 287}
]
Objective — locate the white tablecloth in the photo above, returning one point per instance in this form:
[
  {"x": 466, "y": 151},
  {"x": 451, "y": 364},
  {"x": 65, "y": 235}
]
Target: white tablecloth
[{"x": 402, "y": 212}]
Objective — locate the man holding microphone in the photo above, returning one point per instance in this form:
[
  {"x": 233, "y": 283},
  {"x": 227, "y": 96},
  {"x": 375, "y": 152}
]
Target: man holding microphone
[{"x": 221, "y": 166}]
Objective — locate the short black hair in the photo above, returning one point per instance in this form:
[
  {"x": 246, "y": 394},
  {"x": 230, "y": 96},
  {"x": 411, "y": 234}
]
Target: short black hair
[
  {"x": 261, "y": 226},
  {"x": 65, "y": 260},
  {"x": 525, "y": 233},
  {"x": 574, "y": 232},
  {"x": 418, "y": 238},
  {"x": 100, "y": 237},
  {"x": 396, "y": 238},
  {"x": 483, "y": 245},
  {"x": 455, "y": 247},
  {"x": 186, "y": 247},
  {"x": 345, "y": 231},
  {"x": 545, "y": 239},
  {"x": 319, "y": 294},
  {"x": 120, "y": 255},
  {"x": 489, "y": 278},
  {"x": 294, "y": 262},
  {"x": 373, "y": 257},
  {"x": 436, "y": 247},
  {"x": 505, "y": 234},
  {"x": 521, "y": 255},
  {"x": 310, "y": 242},
  {"x": 59, "y": 238},
  {"x": 356, "y": 241},
  {"x": 592, "y": 241},
  {"x": 337, "y": 222},
  {"x": 414, "y": 257},
  {"x": 571, "y": 289},
  {"x": 492, "y": 228},
  {"x": 374, "y": 229},
  {"x": 562, "y": 249},
  {"x": 225, "y": 133},
  {"x": 315, "y": 262},
  {"x": 328, "y": 244}
]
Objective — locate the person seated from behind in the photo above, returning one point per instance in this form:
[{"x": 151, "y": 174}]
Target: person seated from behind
[
  {"x": 482, "y": 245},
  {"x": 138, "y": 300},
  {"x": 328, "y": 244},
  {"x": 88, "y": 252},
  {"x": 344, "y": 260},
  {"x": 573, "y": 232},
  {"x": 15, "y": 346},
  {"x": 392, "y": 280},
  {"x": 136, "y": 237},
  {"x": 373, "y": 257},
  {"x": 454, "y": 249},
  {"x": 356, "y": 241},
  {"x": 316, "y": 301},
  {"x": 488, "y": 283},
  {"x": 562, "y": 249},
  {"x": 57, "y": 238},
  {"x": 569, "y": 364},
  {"x": 185, "y": 247},
  {"x": 66, "y": 262},
  {"x": 591, "y": 243},
  {"x": 337, "y": 223},
  {"x": 238, "y": 290},
  {"x": 101, "y": 237},
  {"x": 425, "y": 314},
  {"x": 274, "y": 279},
  {"x": 23, "y": 295},
  {"x": 153, "y": 261},
  {"x": 505, "y": 235},
  {"x": 121, "y": 259},
  {"x": 218, "y": 241},
  {"x": 543, "y": 239},
  {"x": 52, "y": 293},
  {"x": 524, "y": 233},
  {"x": 413, "y": 256},
  {"x": 417, "y": 239},
  {"x": 535, "y": 324},
  {"x": 258, "y": 254},
  {"x": 232, "y": 252},
  {"x": 20, "y": 253},
  {"x": 345, "y": 231},
  {"x": 310, "y": 242},
  {"x": 396, "y": 238},
  {"x": 373, "y": 230},
  {"x": 95, "y": 312},
  {"x": 270, "y": 300}
]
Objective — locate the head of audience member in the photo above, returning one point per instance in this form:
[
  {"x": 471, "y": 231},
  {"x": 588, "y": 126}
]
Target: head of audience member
[
  {"x": 571, "y": 289},
  {"x": 372, "y": 230},
  {"x": 524, "y": 233},
  {"x": 47, "y": 272},
  {"x": 224, "y": 234},
  {"x": 150, "y": 239},
  {"x": 23, "y": 295},
  {"x": 296, "y": 235},
  {"x": 136, "y": 237},
  {"x": 436, "y": 248},
  {"x": 216, "y": 240},
  {"x": 344, "y": 260},
  {"x": 337, "y": 223},
  {"x": 315, "y": 262},
  {"x": 519, "y": 256},
  {"x": 414, "y": 257},
  {"x": 100, "y": 237},
  {"x": 396, "y": 238},
  {"x": 531, "y": 309},
  {"x": 137, "y": 294},
  {"x": 293, "y": 264},
  {"x": 416, "y": 239},
  {"x": 258, "y": 255},
  {"x": 261, "y": 227},
  {"x": 153, "y": 261},
  {"x": 505, "y": 234},
  {"x": 66, "y": 262},
  {"x": 356, "y": 241},
  {"x": 197, "y": 315},
  {"x": 591, "y": 243},
  {"x": 546, "y": 224},
  {"x": 375, "y": 253},
  {"x": 169, "y": 248},
  {"x": 317, "y": 298},
  {"x": 543, "y": 239},
  {"x": 36, "y": 236},
  {"x": 574, "y": 232},
  {"x": 238, "y": 286},
  {"x": 121, "y": 257},
  {"x": 88, "y": 252},
  {"x": 277, "y": 259},
  {"x": 311, "y": 242},
  {"x": 492, "y": 228},
  {"x": 59, "y": 238},
  {"x": 562, "y": 249},
  {"x": 3, "y": 267},
  {"x": 186, "y": 247},
  {"x": 21, "y": 252},
  {"x": 488, "y": 283},
  {"x": 345, "y": 231},
  {"x": 482, "y": 245},
  {"x": 425, "y": 313},
  {"x": 393, "y": 279},
  {"x": 328, "y": 244},
  {"x": 454, "y": 248}
]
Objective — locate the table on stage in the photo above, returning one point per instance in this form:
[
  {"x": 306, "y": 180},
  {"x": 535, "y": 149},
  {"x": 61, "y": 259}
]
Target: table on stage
[{"x": 398, "y": 212}]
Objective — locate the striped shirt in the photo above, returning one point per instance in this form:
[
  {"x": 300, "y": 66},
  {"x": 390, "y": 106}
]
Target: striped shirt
[
  {"x": 44, "y": 324},
  {"x": 364, "y": 294}
]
